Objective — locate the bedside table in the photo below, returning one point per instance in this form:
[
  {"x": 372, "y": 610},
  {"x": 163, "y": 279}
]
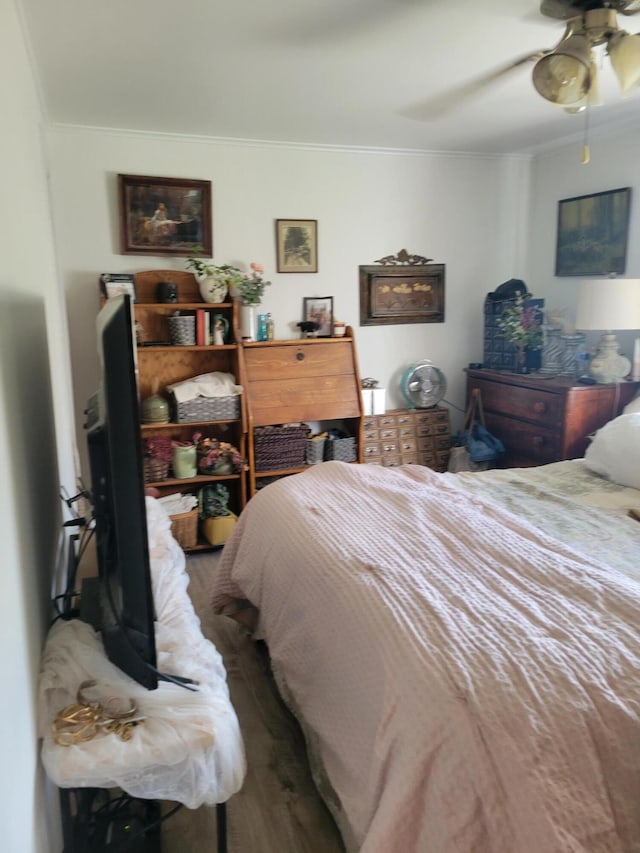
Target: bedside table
[{"x": 545, "y": 419}]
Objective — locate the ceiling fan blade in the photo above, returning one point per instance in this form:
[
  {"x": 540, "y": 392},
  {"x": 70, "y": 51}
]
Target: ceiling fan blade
[
  {"x": 441, "y": 105},
  {"x": 564, "y": 9}
]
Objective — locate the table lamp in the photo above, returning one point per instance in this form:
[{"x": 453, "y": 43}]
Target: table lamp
[{"x": 611, "y": 304}]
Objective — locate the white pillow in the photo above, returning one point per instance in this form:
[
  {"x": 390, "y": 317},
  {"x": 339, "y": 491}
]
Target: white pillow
[
  {"x": 633, "y": 406},
  {"x": 615, "y": 451}
]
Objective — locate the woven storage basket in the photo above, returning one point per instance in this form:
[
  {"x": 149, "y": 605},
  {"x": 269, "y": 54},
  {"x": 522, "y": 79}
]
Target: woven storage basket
[
  {"x": 277, "y": 447},
  {"x": 314, "y": 450},
  {"x": 182, "y": 330},
  {"x": 340, "y": 449},
  {"x": 184, "y": 528},
  {"x": 208, "y": 409},
  {"x": 155, "y": 470}
]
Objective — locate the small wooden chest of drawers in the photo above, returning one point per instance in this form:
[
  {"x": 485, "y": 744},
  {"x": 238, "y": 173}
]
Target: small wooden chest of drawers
[
  {"x": 407, "y": 436},
  {"x": 545, "y": 419}
]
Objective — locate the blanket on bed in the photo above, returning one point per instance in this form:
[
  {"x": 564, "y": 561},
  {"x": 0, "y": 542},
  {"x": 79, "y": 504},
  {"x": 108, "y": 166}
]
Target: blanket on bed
[{"x": 470, "y": 683}]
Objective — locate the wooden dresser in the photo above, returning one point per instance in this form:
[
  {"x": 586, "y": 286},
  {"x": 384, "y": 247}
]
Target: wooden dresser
[
  {"x": 404, "y": 436},
  {"x": 545, "y": 419}
]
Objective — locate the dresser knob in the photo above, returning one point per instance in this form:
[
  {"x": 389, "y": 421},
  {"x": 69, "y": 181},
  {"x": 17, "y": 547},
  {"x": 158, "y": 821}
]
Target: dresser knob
[
  {"x": 539, "y": 407},
  {"x": 300, "y": 356}
]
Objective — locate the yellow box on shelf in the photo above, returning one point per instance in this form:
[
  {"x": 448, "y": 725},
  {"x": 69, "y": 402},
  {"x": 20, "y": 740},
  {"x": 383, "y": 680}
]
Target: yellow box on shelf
[{"x": 218, "y": 529}]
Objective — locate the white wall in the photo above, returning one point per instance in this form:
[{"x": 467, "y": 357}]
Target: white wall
[
  {"x": 614, "y": 163},
  {"x": 33, "y": 459},
  {"x": 367, "y": 203}
]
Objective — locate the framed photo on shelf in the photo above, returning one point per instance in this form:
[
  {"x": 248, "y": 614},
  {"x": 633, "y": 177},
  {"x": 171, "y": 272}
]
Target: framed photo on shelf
[
  {"x": 115, "y": 283},
  {"x": 406, "y": 293},
  {"x": 592, "y": 233},
  {"x": 297, "y": 245},
  {"x": 319, "y": 309},
  {"x": 164, "y": 216}
]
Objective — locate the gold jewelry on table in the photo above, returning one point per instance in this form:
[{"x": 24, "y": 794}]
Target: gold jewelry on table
[{"x": 82, "y": 721}]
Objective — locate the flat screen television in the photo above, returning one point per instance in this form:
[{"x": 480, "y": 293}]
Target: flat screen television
[{"x": 119, "y": 603}]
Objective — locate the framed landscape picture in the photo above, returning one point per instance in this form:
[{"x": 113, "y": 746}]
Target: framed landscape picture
[
  {"x": 164, "y": 216},
  {"x": 297, "y": 245},
  {"x": 592, "y": 233}
]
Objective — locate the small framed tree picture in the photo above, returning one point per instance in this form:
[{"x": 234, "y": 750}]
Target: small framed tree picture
[
  {"x": 297, "y": 245},
  {"x": 319, "y": 310}
]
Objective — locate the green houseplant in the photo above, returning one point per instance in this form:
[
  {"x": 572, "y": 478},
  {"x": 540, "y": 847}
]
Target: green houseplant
[
  {"x": 214, "y": 280},
  {"x": 250, "y": 288}
]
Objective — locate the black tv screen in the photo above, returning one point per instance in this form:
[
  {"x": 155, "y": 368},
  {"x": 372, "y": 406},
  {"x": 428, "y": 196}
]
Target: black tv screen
[{"x": 120, "y": 602}]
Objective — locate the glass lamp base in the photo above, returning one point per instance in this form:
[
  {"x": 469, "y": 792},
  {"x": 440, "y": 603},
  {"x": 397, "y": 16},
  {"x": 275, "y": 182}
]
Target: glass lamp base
[{"x": 608, "y": 365}]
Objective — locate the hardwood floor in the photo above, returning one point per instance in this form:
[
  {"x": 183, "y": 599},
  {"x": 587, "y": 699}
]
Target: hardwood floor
[{"x": 278, "y": 809}]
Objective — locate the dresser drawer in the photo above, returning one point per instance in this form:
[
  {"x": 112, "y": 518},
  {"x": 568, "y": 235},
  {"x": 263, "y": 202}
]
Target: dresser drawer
[
  {"x": 387, "y": 433},
  {"x": 531, "y": 404},
  {"x": 538, "y": 443}
]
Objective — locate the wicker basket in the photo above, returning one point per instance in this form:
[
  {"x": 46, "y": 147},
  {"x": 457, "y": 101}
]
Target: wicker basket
[
  {"x": 340, "y": 449},
  {"x": 278, "y": 447},
  {"x": 182, "y": 330},
  {"x": 184, "y": 528},
  {"x": 208, "y": 409},
  {"x": 155, "y": 470},
  {"x": 314, "y": 450}
]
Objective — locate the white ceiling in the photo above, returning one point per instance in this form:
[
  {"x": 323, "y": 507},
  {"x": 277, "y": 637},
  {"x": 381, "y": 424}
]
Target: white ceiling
[{"x": 332, "y": 72}]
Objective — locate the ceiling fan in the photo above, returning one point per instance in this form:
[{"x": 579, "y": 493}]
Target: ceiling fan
[{"x": 566, "y": 74}]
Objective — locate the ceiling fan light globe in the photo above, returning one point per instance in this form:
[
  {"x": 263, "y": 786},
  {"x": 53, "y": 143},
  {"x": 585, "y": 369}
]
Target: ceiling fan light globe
[
  {"x": 561, "y": 79},
  {"x": 624, "y": 53},
  {"x": 563, "y": 76}
]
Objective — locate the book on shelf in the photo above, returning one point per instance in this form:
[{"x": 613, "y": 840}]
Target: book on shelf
[{"x": 202, "y": 327}]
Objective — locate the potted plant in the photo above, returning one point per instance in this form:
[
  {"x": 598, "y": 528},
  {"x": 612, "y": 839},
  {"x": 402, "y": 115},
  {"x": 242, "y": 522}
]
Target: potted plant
[
  {"x": 250, "y": 290},
  {"x": 214, "y": 280}
]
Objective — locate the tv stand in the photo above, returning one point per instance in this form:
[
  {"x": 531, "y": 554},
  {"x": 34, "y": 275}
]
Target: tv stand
[{"x": 201, "y": 740}]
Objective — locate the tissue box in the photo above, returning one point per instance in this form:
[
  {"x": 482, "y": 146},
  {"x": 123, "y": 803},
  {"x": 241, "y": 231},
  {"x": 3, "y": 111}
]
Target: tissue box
[
  {"x": 379, "y": 403},
  {"x": 217, "y": 530}
]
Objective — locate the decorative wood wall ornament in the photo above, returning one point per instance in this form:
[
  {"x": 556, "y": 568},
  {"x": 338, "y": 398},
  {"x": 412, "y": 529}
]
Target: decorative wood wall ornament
[
  {"x": 403, "y": 288},
  {"x": 403, "y": 257}
]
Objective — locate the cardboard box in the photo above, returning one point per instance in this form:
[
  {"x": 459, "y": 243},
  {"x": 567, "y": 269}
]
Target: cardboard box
[{"x": 217, "y": 530}]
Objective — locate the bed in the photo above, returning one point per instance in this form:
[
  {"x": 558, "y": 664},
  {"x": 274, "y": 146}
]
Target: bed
[{"x": 462, "y": 650}]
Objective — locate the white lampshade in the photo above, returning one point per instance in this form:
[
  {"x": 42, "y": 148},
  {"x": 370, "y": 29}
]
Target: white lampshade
[{"x": 609, "y": 304}]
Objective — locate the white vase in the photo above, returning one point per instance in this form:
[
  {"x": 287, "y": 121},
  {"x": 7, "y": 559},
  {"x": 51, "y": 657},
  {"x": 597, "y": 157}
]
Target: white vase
[
  {"x": 248, "y": 324},
  {"x": 211, "y": 288}
]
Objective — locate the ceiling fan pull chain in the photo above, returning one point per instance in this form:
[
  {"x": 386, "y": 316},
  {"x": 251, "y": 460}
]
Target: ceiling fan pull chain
[{"x": 586, "y": 153}]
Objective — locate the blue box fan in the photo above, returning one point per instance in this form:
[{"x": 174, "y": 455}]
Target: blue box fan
[{"x": 423, "y": 385}]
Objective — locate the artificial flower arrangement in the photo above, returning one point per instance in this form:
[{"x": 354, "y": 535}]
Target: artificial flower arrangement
[
  {"x": 250, "y": 288},
  {"x": 158, "y": 456},
  {"x": 158, "y": 447},
  {"x": 218, "y": 457},
  {"x": 520, "y": 324}
]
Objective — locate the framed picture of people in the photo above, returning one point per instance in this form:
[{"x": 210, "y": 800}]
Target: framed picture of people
[
  {"x": 319, "y": 310},
  {"x": 165, "y": 216}
]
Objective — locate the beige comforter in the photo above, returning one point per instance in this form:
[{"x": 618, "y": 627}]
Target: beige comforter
[{"x": 469, "y": 683}]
